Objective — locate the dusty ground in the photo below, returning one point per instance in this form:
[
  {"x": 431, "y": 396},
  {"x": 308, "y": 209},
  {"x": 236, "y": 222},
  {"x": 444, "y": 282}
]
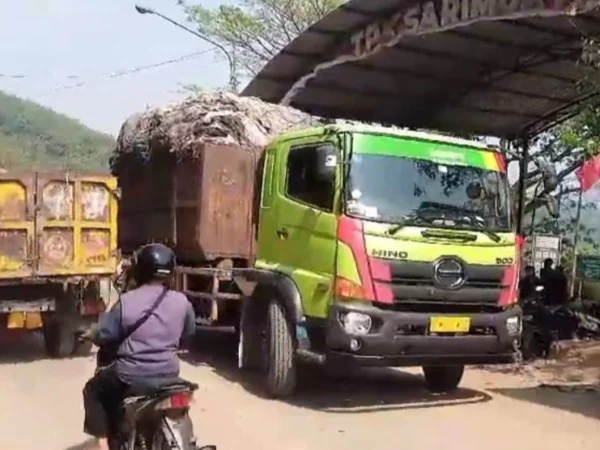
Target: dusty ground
[{"x": 40, "y": 408}]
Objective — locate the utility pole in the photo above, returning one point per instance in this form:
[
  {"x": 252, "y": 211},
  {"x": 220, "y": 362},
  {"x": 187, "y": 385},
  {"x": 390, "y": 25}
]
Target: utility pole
[{"x": 233, "y": 81}]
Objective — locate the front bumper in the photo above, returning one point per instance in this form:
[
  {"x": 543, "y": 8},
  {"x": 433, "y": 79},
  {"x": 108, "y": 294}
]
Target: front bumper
[{"x": 403, "y": 339}]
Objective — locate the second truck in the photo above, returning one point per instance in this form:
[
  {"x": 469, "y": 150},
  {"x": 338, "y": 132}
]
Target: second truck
[
  {"x": 58, "y": 255},
  {"x": 358, "y": 245}
]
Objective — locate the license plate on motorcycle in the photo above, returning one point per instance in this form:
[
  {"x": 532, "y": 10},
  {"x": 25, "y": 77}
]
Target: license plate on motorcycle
[{"x": 449, "y": 324}]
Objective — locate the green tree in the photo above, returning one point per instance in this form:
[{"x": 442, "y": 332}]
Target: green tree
[
  {"x": 589, "y": 235},
  {"x": 565, "y": 147},
  {"x": 36, "y": 138},
  {"x": 256, "y": 30}
]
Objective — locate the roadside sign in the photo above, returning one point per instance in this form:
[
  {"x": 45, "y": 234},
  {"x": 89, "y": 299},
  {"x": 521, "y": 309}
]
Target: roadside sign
[
  {"x": 540, "y": 247},
  {"x": 588, "y": 267}
]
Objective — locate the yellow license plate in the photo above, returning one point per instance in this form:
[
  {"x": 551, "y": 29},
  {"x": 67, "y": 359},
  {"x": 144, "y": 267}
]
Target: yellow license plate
[
  {"x": 27, "y": 320},
  {"x": 16, "y": 320},
  {"x": 449, "y": 324},
  {"x": 33, "y": 320}
]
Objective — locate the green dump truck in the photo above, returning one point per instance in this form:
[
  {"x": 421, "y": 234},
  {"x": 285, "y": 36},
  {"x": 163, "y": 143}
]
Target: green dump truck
[{"x": 360, "y": 245}]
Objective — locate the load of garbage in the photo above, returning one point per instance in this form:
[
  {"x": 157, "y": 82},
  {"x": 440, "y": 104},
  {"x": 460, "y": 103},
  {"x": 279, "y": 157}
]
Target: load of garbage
[{"x": 208, "y": 117}]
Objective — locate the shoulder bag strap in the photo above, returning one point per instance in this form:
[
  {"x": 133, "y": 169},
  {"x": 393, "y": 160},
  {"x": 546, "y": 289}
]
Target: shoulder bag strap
[{"x": 138, "y": 323}]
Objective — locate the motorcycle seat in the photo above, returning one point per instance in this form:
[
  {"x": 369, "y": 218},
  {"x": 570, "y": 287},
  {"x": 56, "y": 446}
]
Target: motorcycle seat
[{"x": 155, "y": 387}]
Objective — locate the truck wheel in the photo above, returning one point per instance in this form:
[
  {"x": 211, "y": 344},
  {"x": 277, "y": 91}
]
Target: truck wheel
[
  {"x": 281, "y": 364},
  {"x": 250, "y": 335},
  {"x": 443, "y": 378},
  {"x": 59, "y": 339},
  {"x": 533, "y": 344}
]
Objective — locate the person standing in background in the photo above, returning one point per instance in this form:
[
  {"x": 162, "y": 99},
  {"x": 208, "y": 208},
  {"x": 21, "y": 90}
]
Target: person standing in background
[{"x": 546, "y": 271}]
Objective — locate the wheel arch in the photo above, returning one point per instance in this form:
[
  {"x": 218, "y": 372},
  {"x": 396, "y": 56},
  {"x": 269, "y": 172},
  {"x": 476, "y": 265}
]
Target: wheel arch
[{"x": 285, "y": 289}]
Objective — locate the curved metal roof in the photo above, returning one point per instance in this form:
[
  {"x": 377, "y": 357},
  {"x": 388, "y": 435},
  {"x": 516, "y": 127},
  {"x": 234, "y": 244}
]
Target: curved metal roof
[{"x": 506, "y": 68}]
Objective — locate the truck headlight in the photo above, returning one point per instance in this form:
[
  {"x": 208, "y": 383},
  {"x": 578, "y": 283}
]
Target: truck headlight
[
  {"x": 357, "y": 323},
  {"x": 513, "y": 325}
]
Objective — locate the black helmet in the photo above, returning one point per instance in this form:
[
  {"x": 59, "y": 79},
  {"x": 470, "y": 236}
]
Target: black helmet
[{"x": 153, "y": 262}]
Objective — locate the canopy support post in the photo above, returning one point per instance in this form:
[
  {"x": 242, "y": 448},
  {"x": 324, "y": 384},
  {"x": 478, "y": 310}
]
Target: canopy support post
[{"x": 523, "y": 163}]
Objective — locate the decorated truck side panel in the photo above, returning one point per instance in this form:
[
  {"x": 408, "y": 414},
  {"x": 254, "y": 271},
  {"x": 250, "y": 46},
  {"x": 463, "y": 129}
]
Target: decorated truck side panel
[
  {"x": 58, "y": 252},
  {"x": 53, "y": 225}
]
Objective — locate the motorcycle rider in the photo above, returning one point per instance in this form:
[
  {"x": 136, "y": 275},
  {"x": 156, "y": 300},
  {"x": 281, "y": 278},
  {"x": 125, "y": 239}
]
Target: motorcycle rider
[
  {"x": 528, "y": 283},
  {"x": 150, "y": 352}
]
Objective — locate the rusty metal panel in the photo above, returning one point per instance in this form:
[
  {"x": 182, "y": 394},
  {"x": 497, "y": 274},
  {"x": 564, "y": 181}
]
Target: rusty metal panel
[
  {"x": 187, "y": 192},
  {"x": 134, "y": 182},
  {"x": 226, "y": 201},
  {"x": 160, "y": 208},
  {"x": 54, "y": 224},
  {"x": 76, "y": 225},
  {"x": 97, "y": 245},
  {"x": 147, "y": 206},
  {"x": 16, "y": 225},
  {"x": 56, "y": 250},
  {"x": 201, "y": 204}
]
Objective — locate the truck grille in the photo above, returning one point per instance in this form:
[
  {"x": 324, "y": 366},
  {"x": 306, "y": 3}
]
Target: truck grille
[{"x": 415, "y": 282}]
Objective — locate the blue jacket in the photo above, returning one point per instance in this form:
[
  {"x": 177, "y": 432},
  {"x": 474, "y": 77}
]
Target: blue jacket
[{"x": 151, "y": 351}]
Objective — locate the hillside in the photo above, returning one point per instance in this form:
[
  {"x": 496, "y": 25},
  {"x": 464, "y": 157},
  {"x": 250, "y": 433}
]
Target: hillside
[{"x": 33, "y": 137}]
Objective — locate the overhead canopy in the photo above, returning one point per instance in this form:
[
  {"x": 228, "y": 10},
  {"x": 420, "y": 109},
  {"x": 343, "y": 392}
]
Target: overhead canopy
[{"x": 506, "y": 68}]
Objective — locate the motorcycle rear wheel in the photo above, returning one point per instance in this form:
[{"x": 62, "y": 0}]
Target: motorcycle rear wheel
[{"x": 186, "y": 431}]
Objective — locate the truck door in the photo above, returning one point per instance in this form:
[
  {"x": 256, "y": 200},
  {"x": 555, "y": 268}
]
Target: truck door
[
  {"x": 55, "y": 237},
  {"x": 75, "y": 224},
  {"x": 17, "y": 209},
  {"x": 306, "y": 225}
]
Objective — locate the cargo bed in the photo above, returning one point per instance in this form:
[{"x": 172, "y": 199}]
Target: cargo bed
[
  {"x": 56, "y": 224},
  {"x": 202, "y": 205}
]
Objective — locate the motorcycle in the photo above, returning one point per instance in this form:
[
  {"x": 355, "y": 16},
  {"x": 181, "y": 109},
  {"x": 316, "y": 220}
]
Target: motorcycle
[
  {"x": 537, "y": 336},
  {"x": 156, "y": 417},
  {"x": 544, "y": 324}
]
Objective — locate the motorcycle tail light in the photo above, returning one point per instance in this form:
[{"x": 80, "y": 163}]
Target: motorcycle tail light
[{"x": 179, "y": 400}]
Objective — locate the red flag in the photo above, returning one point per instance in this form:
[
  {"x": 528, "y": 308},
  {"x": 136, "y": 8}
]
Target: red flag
[{"x": 589, "y": 173}]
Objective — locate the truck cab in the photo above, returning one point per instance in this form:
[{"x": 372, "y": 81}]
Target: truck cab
[{"x": 399, "y": 246}]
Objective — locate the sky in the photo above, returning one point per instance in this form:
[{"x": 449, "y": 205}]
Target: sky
[
  {"x": 62, "y": 54},
  {"x": 51, "y": 44}
]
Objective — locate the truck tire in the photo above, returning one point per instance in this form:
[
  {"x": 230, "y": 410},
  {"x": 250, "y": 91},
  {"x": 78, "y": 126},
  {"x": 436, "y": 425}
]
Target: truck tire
[
  {"x": 443, "y": 378},
  {"x": 533, "y": 344},
  {"x": 251, "y": 348},
  {"x": 59, "y": 339},
  {"x": 281, "y": 364}
]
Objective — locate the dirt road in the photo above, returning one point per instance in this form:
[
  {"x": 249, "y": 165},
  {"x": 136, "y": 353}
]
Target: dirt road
[{"x": 40, "y": 408}]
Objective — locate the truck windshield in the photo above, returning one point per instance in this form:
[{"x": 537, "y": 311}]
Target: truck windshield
[{"x": 399, "y": 190}]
